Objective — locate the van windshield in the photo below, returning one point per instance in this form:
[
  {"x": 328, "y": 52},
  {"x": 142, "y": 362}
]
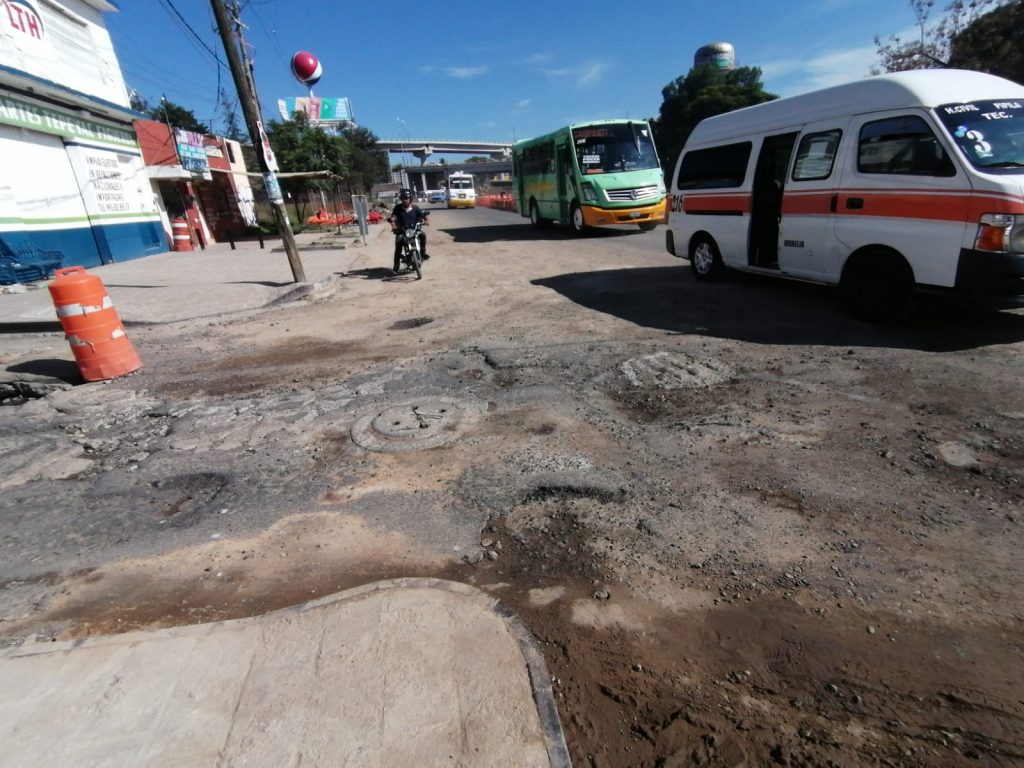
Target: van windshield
[
  {"x": 614, "y": 148},
  {"x": 989, "y": 133}
]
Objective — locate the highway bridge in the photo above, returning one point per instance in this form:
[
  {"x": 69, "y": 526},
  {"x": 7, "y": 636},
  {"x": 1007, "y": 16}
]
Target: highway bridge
[{"x": 422, "y": 149}]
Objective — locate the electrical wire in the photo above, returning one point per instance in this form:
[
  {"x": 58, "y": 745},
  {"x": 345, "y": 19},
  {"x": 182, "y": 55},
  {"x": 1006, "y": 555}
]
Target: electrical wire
[{"x": 169, "y": 5}]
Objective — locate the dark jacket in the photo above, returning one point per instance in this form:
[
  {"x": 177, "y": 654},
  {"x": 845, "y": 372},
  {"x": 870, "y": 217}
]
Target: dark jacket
[{"x": 407, "y": 218}]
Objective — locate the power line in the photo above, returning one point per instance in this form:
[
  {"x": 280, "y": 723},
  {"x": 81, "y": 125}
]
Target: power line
[{"x": 169, "y": 4}]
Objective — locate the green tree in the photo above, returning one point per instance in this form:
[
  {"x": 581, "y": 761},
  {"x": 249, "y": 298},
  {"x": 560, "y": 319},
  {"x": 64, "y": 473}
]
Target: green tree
[
  {"x": 368, "y": 164},
  {"x": 179, "y": 117},
  {"x": 232, "y": 125},
  {"x": 478, "y": 159},
  {"x": 302, "y": 148},
  {"x": 991, "y": 43},
  {"x": 703, "y": 92},
  {"x": 930, "y": 48}
]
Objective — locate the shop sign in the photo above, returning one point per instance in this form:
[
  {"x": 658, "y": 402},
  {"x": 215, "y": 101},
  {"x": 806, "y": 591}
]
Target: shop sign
[
  {"x": 21, "y": 20},
  {"x": 192, "y": 151},
  {"x": 35, "y": 117}
]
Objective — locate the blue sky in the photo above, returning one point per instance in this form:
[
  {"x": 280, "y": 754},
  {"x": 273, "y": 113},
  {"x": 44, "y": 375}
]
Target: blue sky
[{"x": 496, "y": 71}]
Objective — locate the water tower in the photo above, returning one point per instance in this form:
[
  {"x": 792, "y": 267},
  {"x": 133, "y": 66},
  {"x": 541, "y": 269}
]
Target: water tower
[{"x": 721, "y": 55}]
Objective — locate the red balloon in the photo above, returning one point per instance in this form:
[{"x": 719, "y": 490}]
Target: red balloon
[{"x": 306, "y": 68}]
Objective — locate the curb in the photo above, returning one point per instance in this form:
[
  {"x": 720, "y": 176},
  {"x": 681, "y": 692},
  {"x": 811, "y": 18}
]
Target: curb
[{"x": 540, "y": 679}]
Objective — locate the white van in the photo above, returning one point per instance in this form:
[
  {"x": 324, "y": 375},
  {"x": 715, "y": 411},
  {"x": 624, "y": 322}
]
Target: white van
[{"x": 900, "y": 182}]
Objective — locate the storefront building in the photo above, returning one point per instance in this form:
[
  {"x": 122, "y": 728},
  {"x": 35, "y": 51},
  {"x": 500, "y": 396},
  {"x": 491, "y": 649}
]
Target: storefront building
[
  {"x": 199, "y": 178},
  {"x": 73, "y": 176}
]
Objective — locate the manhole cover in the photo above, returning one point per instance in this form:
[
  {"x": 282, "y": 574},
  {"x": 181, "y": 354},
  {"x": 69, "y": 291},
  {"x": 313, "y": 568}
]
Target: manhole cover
[{"x": 414, "y": 425}]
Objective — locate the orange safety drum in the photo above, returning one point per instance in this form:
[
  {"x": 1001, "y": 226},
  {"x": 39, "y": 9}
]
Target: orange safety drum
[
  {"x": 181, "y": 237},
  {"x": 91, "y": 325}
]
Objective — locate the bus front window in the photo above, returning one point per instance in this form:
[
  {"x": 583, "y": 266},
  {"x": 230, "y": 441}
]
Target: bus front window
[{"x": 614, "y": 148}]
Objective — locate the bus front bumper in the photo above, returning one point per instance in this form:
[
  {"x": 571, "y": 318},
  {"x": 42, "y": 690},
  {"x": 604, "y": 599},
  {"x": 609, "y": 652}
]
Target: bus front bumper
[
  {"x": 602, "y": 217},
  {"x": 457, "y": 203}
]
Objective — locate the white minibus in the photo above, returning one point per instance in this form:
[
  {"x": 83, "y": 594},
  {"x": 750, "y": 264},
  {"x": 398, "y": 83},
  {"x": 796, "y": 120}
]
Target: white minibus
[{"x": 905, "y": 182}]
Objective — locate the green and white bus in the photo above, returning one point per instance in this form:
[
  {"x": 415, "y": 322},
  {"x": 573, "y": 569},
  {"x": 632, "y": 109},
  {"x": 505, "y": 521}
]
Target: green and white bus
[{"x": 590, "y": 175}]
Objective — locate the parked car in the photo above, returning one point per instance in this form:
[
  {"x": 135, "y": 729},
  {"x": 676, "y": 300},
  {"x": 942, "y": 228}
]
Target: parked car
[{"x": 435, "y": 196}]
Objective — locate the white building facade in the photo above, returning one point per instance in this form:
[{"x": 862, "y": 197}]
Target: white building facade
[{"x": 73, "y": 177}]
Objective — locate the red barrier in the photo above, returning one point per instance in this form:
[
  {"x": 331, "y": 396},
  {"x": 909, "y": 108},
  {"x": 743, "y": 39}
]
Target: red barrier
[{"x": 501, "y": 202}]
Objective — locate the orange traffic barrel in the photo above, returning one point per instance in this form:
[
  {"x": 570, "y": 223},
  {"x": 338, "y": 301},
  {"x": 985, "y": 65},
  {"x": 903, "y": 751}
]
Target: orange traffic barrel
[
  {"x": 180, "y": 236},
  {"x": 91, "y": 325}
]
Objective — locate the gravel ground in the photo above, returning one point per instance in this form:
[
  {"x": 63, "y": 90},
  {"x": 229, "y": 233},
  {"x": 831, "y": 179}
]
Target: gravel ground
[{"x": 746, "y": 528}]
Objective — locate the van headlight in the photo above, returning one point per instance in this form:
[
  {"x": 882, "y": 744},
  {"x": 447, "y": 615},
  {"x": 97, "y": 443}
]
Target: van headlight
[
  {"x": 1000, "y": 233},
  {"x": 661, "y": 188},
  {"x": 589, "y": 195}
]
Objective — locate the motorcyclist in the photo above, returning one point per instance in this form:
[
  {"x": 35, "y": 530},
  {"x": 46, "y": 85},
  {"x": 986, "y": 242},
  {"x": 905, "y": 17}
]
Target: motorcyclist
[{"x": 407, "y": 215}]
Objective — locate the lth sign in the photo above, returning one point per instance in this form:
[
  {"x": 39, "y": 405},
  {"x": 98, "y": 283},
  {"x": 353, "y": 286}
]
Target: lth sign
[{"x": 22, "y": 18}]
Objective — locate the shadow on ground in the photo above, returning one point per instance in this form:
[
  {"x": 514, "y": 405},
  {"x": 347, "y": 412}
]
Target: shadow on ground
[
  {"x": 774, "y": 311},
  {"x": 63, "y": 370}
]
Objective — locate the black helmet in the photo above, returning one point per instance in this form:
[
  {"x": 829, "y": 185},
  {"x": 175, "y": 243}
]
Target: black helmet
[{"x": 404, "y": 194}]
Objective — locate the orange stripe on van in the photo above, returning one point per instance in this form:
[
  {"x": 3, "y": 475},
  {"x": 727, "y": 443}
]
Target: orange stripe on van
[
  {"x": 725, "y": 203},
  {"x": 942, "y": 206}
]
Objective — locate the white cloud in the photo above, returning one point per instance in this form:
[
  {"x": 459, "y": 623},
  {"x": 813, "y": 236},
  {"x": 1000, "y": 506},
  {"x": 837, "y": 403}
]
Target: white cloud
[
  {"x": 524, "y": 103},
  {"x": 788, "y": 77},
  {"x": 487, "y": 124},
  {"x": 465, "y": 72},
  {"x": 537, "y": 58},
  {"x": 584, "y": 75},
  {"x": 593, "y": 72}
]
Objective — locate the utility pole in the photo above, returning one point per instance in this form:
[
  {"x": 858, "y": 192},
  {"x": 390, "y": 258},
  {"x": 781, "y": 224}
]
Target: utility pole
[{"x": 238, "y": 60}]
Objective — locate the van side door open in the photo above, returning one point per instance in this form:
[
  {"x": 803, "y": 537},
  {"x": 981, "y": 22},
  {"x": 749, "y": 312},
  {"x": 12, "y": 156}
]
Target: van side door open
[
  {"x": 766, "y": 200},
  {"x": 807, "y": 227}
]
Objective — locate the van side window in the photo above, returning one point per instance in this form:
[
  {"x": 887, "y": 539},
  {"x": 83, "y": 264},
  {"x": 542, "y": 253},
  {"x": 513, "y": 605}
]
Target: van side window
[
  {"x": 816, "y": 155},
  {"x": 902, "y": 145},
  {"x": 715, "y": 167}
]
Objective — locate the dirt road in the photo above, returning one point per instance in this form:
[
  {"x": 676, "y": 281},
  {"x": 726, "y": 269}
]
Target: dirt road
[{"x": 746, "y": 528}]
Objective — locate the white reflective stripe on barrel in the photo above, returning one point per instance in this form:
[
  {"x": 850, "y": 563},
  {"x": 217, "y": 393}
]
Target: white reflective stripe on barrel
[{"x": 72, "y": 310}]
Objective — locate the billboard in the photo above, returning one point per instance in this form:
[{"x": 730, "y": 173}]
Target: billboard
[
  {"x": 191, "y": 151},
  {"x": 317, "y": 108}
]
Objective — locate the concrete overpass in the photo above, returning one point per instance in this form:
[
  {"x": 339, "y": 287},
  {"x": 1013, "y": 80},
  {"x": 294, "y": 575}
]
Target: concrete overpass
[
  {"x": 422, "y": 149},
  {"x": 433, "y": 176}
]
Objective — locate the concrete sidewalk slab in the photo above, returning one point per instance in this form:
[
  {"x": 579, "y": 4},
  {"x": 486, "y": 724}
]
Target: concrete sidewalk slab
[
  {"x": 410, "y": 672},
  {"x": 170, "y": 287}
]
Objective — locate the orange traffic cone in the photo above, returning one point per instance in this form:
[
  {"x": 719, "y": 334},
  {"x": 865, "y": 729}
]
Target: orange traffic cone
[{"x": 91, "y": 325}]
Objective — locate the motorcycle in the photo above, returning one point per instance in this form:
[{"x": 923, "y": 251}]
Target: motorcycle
[{"x": 409, "y": 253}]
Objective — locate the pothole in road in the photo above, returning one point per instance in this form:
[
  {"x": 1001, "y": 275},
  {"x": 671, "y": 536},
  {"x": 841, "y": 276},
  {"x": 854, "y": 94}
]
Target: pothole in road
[
  {"x": 415, "y": 425},
  {"x": 413, "y": 322}
]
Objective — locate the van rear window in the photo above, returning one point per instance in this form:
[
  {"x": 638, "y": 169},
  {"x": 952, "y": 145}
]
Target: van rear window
[{"x": 715, "y": 168}]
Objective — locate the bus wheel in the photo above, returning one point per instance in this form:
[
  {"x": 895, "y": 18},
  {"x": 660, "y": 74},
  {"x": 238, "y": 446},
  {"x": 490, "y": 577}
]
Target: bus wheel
[
  {"x": 579, "y": 225},
  {"x": 705, "y": 260},
  {"x": 535, "y": 218},
  {"x": 647, "y": 226},
  {"x": 878, "y": 287}
]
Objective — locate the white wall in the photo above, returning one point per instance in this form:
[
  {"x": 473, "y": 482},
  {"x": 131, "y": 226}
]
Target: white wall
[{"x": 67, "y": 43}]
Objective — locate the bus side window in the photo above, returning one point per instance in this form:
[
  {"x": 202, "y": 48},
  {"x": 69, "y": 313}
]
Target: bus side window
[
  {"x": 816, "y": 155},
  {"x": 902, "y": 145}
]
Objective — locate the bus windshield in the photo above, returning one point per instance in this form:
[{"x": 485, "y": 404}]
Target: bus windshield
[
  {"x": 614, "y": 148},
  {"x": 989, "y": 133},
  {"x": 460, "y": 183}
]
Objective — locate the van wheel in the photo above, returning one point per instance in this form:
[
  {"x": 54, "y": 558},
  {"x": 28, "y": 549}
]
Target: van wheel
[
  {"x": 647, "y": 226},
  {"x": 579, "y": 225},
  {"x": 879, "y": 287},
  {"x": 705, "y": 260},
  {"x": 535, "y": 217}
]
